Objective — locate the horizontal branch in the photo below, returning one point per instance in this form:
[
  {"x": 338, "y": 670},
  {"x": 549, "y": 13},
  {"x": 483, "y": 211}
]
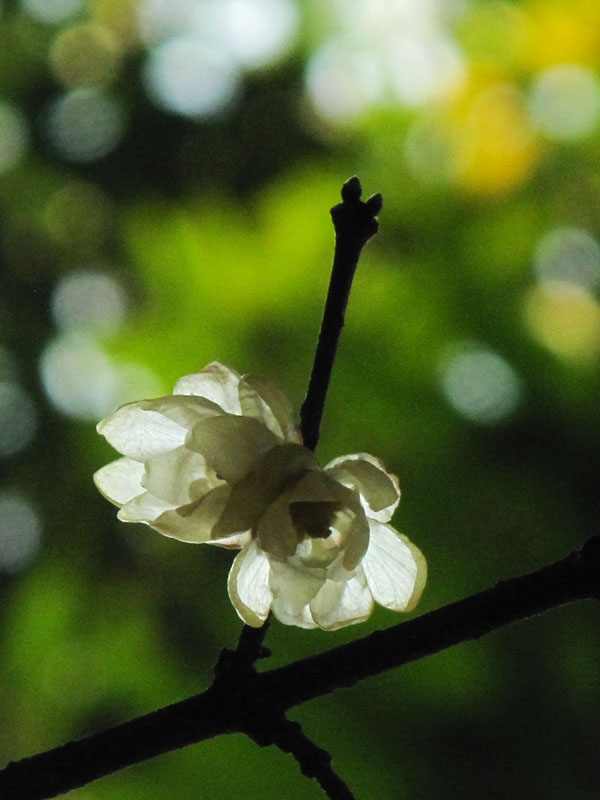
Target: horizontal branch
[{"x": 241, "y": 699}]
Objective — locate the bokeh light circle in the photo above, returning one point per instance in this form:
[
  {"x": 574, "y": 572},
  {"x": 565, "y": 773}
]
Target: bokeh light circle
[
  {"x": 77, "y": 376},
  {"x": 18, "y": 418},
  {"x": 570, "y": 255},
  {"x": 82, "y": 382},
  {"x": 85, "y": 125},
  {"x": 480, "y": 385},
  {"x": 52, "y": 11},
  {"x": 564, "y": 102},
  {"x": 256, "y": 32},
  {"x": 85, "y": 55},
  {"x": 89, "y": 300},
  {"x": 188, "y": 76},
  {"x": 20, "y": 532},
  {"x": 14, "y": 136}
]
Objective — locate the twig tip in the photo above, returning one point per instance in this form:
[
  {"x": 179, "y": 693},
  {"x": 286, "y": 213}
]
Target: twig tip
[{"x": 351, "y": 190}]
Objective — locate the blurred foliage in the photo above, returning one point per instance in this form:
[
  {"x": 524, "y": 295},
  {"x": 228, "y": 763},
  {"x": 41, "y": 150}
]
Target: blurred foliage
[{"x": 148, "y": 228}]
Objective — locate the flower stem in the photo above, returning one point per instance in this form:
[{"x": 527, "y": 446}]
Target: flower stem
[{"x": 354, "y": 222}]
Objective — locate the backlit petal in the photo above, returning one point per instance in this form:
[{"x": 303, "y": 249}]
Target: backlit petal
[
  {"x": 379, "y": 490},
  {"x": 261, "y": 399},
  {"x": 395, "y": 569},
  {"x": 183, "y": 409},
  {"x": 341, "y": 603},
  {"x": 178, "y": 476},
  {"x": 120, "y": 481},
  {"x": 193, "y": 522},
  {"x": 217, "y": 383},
  {"x": 250, "y": 497},
  {"x": 293, "y": 588},
  {"x": 139, "y": 433},
  {"x": 275, "y": 532},
  {"x": 143, "y": 508},
  {"x": 248, "y": 585},
  {"x": 301, "y": 618},
  {"x": 231, "y": 445}
]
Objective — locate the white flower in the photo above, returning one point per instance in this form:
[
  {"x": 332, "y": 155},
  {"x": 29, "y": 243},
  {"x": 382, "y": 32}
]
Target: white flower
[{"x": 221, "y": 461}]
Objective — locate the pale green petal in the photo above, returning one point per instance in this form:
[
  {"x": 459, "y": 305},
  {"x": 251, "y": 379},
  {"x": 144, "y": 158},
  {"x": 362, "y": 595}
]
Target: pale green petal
[
  {"x": 395, "y": 569},
  {"x": 352, "y": 524},
  {"x": 231, "y": 445},
  {"x": 317, "y": 487},
  {"x": 357, "y": 538},
  {"x": 301, "y": 619},
  {"x": 179, "y": 476},
  {"x": 139, "y": 433},
  {"x": 248, "y": 585},
  {"x": 233, "y": 542},
  {"x": 293, "y": 588},
  {"x": 120, "y": 481},
  {"x": 341, "y": 603},
  {"x": 262, "y": 485},
  {"x": 193, "y": 522},
  {"x": 185, "y": 410},
  {"x": 216, "y": 382},
  {"x": 275, "y": 532},
  {"x": 143, "y": 508},
  {"x": 378, "y": 489},
  {"x": 262, "y": 400}
]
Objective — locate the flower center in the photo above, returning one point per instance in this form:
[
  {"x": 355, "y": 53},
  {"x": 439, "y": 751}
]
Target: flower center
[{"x": 313, "y": 519}]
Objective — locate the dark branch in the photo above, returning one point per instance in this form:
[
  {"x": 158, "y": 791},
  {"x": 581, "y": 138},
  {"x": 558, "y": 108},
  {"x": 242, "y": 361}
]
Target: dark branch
[
  {"x": 354, "y": 223},
  {"x": 240, "y": 698}
]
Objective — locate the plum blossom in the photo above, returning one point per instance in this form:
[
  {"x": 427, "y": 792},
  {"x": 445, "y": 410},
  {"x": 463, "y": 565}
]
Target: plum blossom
[{"x": 221, "y": 461}]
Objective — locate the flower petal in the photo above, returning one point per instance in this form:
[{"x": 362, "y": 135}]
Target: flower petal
[
  {"x": 193, "y": 522},
  {"x": 275, "y": 531},
  {"x": 293, "y": 588},
  {"x": 183, "y": 409},
  {"x": 262, "y": 400},
  {"x": 139, "y": 433},
  {"x": 301, "y": 619},
  {"x": 120, "y": 481},
  {"x": 341, "y": 603},
  {"x": 230, "y": 444},
  {"x": 178, "y": 476},
  {"x": 216, "y": 382},
  {"x": 395, "y": 569},
  {"x": 248, "y": 585},
  {"x": 262, "y": 485},
  {"x": 143, "y": 508},
  {"x": 379, "y": 490}
]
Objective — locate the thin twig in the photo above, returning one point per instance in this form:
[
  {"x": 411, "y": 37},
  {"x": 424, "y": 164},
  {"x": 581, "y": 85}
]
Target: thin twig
[
  {"x": 235, "y": 702},
  {"x": 354, "y": 223},
  {"x": 313, "y": 760}
]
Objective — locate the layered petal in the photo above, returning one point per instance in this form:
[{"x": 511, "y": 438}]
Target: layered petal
[
  {"x": 251, "y": 495},
  {"x": 143, "y": 508},
  {"x": 341, "y": 603},
  {"x": 395, "y": 569},
  {"x": 216, "y": 382},
  {"x": 182, "y": 409},
  {"x": 262, "y": 400},
  {"x": 379, "y": 490},
  {"x": 293, "y": 588},
  {"x": 121, "y": 480},
  {"x": 178, "y": 476},
  {"x": 248, "y": 585},
  {"x": 231, "y": 445},
  {"x": 194, "y": 522},
  {"x": 137, "y": 432}
]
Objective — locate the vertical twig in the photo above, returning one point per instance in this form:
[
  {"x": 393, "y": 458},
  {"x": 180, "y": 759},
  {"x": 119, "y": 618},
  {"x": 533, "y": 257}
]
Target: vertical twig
[{"x": 354, "y": 222}]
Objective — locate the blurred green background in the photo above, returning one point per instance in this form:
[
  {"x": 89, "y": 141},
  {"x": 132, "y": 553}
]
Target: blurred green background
[{"x": 166, "y": 173}]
